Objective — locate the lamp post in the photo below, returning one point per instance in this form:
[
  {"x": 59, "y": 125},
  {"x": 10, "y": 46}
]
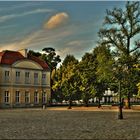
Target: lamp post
[{"x": 120, "y": 114}]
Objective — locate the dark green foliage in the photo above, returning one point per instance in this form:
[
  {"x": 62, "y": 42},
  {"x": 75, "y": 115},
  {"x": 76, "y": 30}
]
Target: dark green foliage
[
  {"x": 68, "y": 59},
  {"x": 120, "y": 27},
  {"x": 51, "y": 58},
  {"x": 113, "y": 61},
  {"x": 37, "y": 54}
]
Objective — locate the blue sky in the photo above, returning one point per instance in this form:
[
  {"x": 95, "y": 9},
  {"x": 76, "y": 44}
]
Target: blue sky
[{"x": 68, "y": 26}]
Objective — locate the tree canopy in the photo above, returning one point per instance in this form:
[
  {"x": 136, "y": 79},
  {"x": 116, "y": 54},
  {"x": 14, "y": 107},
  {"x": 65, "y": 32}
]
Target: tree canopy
[{"x": 115, "y": 59}]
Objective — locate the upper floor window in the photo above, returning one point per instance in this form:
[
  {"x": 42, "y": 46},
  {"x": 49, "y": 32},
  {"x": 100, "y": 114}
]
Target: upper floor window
[
  {"x": 7, "y": 76},
  {"x": 27, "y": 77},
  {"x": 35, "y": 78},
  {"x": 17, "y": 76},
  {"x": 6, "y": 97},
  {"x": 44, "y": 79},
  {"x": 27, "y": 97},
  {"x": 17, "y": 97}
]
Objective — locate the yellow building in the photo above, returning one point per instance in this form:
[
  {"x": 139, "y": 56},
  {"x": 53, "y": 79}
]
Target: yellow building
[{"x": 24, "y": 80}]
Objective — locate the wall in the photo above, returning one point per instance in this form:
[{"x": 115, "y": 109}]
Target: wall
[{"x": 12, "y": 86}]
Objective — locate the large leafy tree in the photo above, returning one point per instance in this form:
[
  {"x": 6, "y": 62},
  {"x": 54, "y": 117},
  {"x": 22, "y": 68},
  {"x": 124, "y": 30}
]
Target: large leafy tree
[
  {"x": 51, "y": 58},
  {"x": 70, "y": 79},
  {"x": 86, "y": 71},
  {"x": 137, "y": 68},
  {"x": 103, "y": 70},
  {"x": 37, "y": 54},
  {"x": 69, "y": 59},
  {"x": 120, "y": 27},
  {"x": 119, "y": 31},
  {"x": 57, "y": 89},
  {"x": 67, "y": 79},
  {"x": 104, "y": 61}
]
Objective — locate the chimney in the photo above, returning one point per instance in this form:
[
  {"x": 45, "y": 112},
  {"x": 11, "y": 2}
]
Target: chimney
[{"x": 23, "y": 52}]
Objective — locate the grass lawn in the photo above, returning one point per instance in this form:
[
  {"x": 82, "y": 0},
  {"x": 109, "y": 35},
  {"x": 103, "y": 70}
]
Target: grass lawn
[{"x": 68, "y": 124}]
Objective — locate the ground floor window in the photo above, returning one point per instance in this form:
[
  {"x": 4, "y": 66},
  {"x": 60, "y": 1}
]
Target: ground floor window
[
  {"x": 17, "y": 97},
  {"x": 36, "y": 97},
  {"x": 44, "y": 96},
  {"x": 27, "y": 97},
  {"x": 6, "y": 97}
]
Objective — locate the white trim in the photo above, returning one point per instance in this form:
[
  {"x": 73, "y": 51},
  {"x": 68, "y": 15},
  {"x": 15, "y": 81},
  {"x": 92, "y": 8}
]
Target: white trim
[
  {"x": 27, "y": 96},
  {"x": 16, "y": 97},
  {"x": 36, "y": 98},
  {"x": 6, "y": 91}
]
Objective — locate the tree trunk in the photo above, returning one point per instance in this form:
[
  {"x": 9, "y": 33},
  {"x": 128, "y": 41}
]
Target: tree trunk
[
  {"x": 99, "y": 105},
  {"x": 86, "y": 103},
  {"x": 70, "y": 104},
  {"x": 129, "y": 105}
]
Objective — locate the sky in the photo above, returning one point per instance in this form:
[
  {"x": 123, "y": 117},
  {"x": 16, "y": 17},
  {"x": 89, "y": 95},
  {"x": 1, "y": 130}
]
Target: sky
[{"x": 71, "y": 27}]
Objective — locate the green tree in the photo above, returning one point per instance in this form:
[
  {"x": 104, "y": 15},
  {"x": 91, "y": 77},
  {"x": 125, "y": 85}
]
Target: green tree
[
  {"x": 57, "y": 89},
  {"x": 51, "y": 58},
  {"x": 37, "y": 54},
  {"x": 120, "y": 27},
  {"x": 119, "y": 30},
  {"x": 67, "y": 80},
  {"x": 104, "y": 61},
  {"x": 68, "y": 59},
  {"x": 103, "y": 70},
  {"x": 70, "y": 81},
  {"x": 87, "y": 77},
  {"x": 137, "y": 68}
]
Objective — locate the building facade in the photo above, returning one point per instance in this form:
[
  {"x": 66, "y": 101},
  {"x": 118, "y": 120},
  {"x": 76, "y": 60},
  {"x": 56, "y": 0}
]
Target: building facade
[{"x": 25, "y": 80}]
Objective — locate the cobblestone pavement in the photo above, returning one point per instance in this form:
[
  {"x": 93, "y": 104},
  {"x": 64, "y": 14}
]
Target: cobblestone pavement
[{"x": 61, "y": 123}]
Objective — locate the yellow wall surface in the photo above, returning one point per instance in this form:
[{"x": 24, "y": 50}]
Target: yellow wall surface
[
  {"x": 27, "y": 64},
  {"x": 12, "y": 86}
]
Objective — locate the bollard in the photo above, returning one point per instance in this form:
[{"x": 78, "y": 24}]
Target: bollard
[{"x": 43, "y": 107}]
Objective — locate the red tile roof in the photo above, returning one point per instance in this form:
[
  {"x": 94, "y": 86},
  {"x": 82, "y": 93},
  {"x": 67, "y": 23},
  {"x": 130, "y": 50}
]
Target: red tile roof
[{"x": 9, "y": 57}]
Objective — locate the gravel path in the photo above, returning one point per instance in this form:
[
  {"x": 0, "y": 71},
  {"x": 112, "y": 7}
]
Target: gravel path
[{"x": 68, "y": 124}]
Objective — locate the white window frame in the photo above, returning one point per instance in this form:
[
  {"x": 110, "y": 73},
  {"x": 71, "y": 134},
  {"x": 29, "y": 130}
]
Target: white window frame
[
  {"x": 36, "y": 97},
  {"x": 18, "y": 73},
  {"x": 7, "y": 76},
  {"x": 17, "y": 97},
  {"x": 6, "y": 96},
  {"x": 27, "y": 97},
  {"x": 27, "y": 77},
  {"x": 44, "y": 81},
  {"x": 36, "y": 78},
  {"x": 44, "y": 97}
]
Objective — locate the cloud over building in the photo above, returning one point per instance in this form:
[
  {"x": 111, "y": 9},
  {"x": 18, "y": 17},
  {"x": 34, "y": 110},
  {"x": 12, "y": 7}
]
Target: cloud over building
[{"x": 56, "y": 21}]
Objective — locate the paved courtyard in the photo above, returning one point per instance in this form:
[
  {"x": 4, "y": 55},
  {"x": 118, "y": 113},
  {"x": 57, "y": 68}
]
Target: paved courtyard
[{"x": 60, "y": 123}]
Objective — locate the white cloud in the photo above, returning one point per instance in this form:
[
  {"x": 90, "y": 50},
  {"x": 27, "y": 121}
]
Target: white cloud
[
  {"x": 75, "y": 43},
  {"x": 20, "y": 5},
  {"x": 67, "y": 40},
  {"x": 7, "y": 26},
  {"x": 20, "y": 44},
  {"x": 76, "y": 48},
  {"x": 36, "y": 11},
  {"x": 56, "y": 21}
]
